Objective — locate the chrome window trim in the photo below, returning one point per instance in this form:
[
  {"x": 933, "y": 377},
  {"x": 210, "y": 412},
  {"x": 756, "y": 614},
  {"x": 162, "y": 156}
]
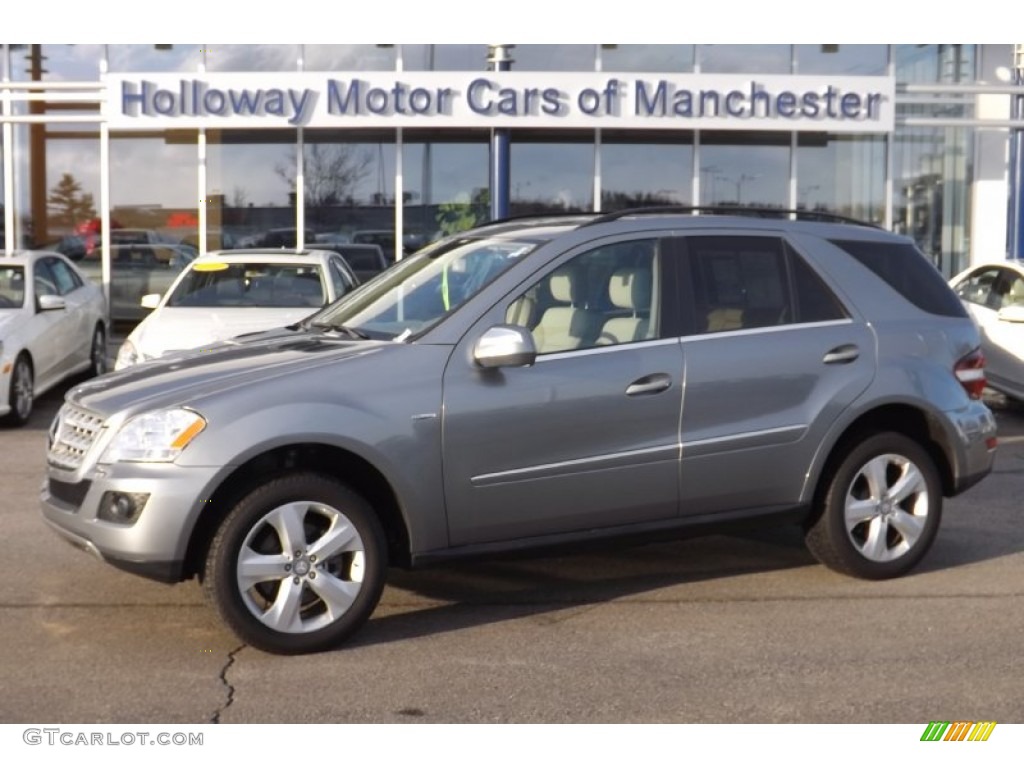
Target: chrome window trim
[
  {"x": 604, "y": 348},
  {"x": 765, "y": 329}
]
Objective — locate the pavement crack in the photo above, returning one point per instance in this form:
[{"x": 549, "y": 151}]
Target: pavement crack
[{"x": 230, "y": 688}]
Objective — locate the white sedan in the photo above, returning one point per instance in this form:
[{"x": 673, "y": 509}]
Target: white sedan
[
  {"x": 228, "y": 293},
  {"x": 994, "y": 296},
  {"x": 52, "y": 325}
]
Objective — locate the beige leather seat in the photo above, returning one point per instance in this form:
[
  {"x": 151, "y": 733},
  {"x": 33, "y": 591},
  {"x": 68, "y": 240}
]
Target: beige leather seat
[
  {"x": 629, "y": 289},
  {"x": 1015, "y": 296},
  {"x": 570, "y": 325}
]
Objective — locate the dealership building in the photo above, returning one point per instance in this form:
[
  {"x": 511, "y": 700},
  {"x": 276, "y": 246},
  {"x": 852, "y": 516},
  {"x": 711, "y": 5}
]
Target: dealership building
[{"x": 223, "y": 144}]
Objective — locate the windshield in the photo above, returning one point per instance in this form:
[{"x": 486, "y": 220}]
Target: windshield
[
  {"x": 418, "y": 291},
  {"x": 218, "y": 284},
  {"x": 12, "y": 287}
]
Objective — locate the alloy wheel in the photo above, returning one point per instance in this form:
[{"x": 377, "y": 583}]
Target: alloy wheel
[{"x": 886, "y": 508}]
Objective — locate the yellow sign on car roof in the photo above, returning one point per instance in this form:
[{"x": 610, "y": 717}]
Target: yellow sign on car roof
[{"x": 209, "y": 266}]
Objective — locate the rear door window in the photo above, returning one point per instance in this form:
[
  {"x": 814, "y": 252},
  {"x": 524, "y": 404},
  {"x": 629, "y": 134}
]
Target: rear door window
[{"x": 742, "y": 282}]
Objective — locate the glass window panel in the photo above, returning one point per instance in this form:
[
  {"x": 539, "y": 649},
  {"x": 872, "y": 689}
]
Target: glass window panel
[
  {"x": 738, "y": 282},
  {"x": 934, "y": 63},
  {"x": 745, "y": 169},
  {"x": 931, "y": 184},
  {"x": 179, "y": 57},
  {"x": 153, "y": 188},
  {"x": 842, "y": 174},
  {"x": 348, "y": 57},
  {"x": 636, "y": 171},
  {"x": 251, "y": 58},
  {"x": 250, "y": 182},
  {"x": 553, "y": 58},
  {"x": 55, "y": 62},
  {"x": 445, "y": 58},
  {"x": 3, "y": 198},
  {"x": 647, "y": 58},
  {"x": 842, "y": 59},
  {"x": 603, "y": 297},
  {"x": 350, "y": 187},
  {"x": 59, "y": 174},
  {"x": 446, "y": 186},
  {"x": 760, "y": 59},
  {"x": 550, "y": 177}
]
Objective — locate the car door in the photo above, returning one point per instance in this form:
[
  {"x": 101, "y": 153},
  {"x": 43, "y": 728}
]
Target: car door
[
  {"x": 772, "y": 358},
  {"x": 75, "y": 324},
  {"x": 585, "y": 438},
  {"x": 51, "y": 332}
]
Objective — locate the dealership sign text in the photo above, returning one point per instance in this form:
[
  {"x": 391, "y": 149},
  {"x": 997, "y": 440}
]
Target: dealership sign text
[{"x": 500, "y": 99}]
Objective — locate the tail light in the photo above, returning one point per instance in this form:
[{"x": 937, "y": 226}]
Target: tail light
[{"x": 970, "y": 372}]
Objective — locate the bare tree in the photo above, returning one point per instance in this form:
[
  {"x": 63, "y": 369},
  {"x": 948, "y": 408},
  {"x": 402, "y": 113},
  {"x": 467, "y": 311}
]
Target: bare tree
[
  {"x": 239, "y": 197},
  {"x": 332, "y": 172}
]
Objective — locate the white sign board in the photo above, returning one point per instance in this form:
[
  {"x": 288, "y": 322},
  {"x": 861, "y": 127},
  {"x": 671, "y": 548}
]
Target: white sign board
[{"x": 551, "y": 100}]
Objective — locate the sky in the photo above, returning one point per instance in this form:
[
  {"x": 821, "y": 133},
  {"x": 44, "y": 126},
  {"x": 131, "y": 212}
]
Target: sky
[{"x": 535, "y": 21}]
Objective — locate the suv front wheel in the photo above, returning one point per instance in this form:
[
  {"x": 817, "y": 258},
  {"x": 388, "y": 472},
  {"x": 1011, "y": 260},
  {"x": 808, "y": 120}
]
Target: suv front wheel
[
  {"x": 298, "y": 564},
  {"x": 880, "y": 509}
]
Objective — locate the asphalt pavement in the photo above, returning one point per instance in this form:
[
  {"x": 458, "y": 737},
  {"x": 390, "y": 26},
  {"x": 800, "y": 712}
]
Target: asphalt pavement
[{"x": 746, "y": 629}]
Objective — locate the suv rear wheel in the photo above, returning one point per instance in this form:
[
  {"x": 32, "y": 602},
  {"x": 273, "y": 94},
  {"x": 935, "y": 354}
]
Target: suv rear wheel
[
  {"x": 880, "y": 509},
  {"x": 298, "y": 564}
]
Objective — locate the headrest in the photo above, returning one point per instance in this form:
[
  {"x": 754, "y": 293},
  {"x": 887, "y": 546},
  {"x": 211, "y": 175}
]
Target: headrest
[
  {"x": 563, "y": 286},
  {"x": 630, "y": 288}
]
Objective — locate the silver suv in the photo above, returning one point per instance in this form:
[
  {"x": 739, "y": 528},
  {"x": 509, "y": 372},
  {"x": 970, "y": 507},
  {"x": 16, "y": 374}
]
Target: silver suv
[{"x": 533, "y": 383}]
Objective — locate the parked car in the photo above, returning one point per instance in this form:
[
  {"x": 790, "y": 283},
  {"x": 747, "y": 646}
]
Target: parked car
[
  {"x": 52, "y": 326},
  {"x": 366, "y": 260},
  {"x": 138, "y": 236},
  {"x": 228, "y": 293},
  {"x": 137, "y": 269},
  {"x": 533, "y": 383},
  {"x": 282, "y": 237},
  {"x": 385, "y": 238},
  {"x": 216, "y": 240},
  {"x": 993, "y": 294}
]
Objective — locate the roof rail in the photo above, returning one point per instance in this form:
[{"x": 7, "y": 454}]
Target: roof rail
[
  {"x": 527, "y": 216},
  {"x": 732, "y": 210}
]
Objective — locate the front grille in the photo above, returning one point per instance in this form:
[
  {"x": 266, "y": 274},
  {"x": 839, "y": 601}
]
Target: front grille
[
  {"x": 69, "y": 493},
  {"x": 71, "y": 436}
]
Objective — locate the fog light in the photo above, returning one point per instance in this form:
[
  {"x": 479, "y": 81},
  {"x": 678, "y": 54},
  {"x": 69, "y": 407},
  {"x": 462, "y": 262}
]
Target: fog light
[{"x": 123, "y": 508}]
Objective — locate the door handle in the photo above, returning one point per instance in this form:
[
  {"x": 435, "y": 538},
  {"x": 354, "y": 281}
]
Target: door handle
[
  {"x": 845, "y": 353},
  {"x": 649, "y": 385}
]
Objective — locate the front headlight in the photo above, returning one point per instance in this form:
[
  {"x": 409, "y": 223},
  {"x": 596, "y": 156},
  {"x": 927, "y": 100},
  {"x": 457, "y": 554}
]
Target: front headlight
[
  {"x": 127, "y": 355},
  {"x": 155, "y": 436}
]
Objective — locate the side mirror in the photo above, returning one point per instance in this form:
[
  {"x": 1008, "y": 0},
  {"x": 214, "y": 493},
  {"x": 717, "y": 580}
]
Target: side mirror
[
  {"x": 150, "y": 301},
  {"x": 49, "y": 302},
  {"x": 505, "y": 346},
  {"x": 1012, "y": 314}
]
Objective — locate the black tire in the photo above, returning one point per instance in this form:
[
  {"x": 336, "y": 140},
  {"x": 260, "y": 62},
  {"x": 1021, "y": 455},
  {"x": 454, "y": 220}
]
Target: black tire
[
  {"x": 98, "y": 353},
  {"x": 880, "y": 508},
  {"x": 315, "y": 601},
  {"x": 21, "y": 393}
]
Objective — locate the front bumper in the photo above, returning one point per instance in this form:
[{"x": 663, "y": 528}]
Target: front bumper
[{"x": 156, "y": 543}]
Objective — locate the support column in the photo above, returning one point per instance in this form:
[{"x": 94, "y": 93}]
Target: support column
[
  {"x": 1016, "y": 219},
  {"x": 499, "y": 57}
]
